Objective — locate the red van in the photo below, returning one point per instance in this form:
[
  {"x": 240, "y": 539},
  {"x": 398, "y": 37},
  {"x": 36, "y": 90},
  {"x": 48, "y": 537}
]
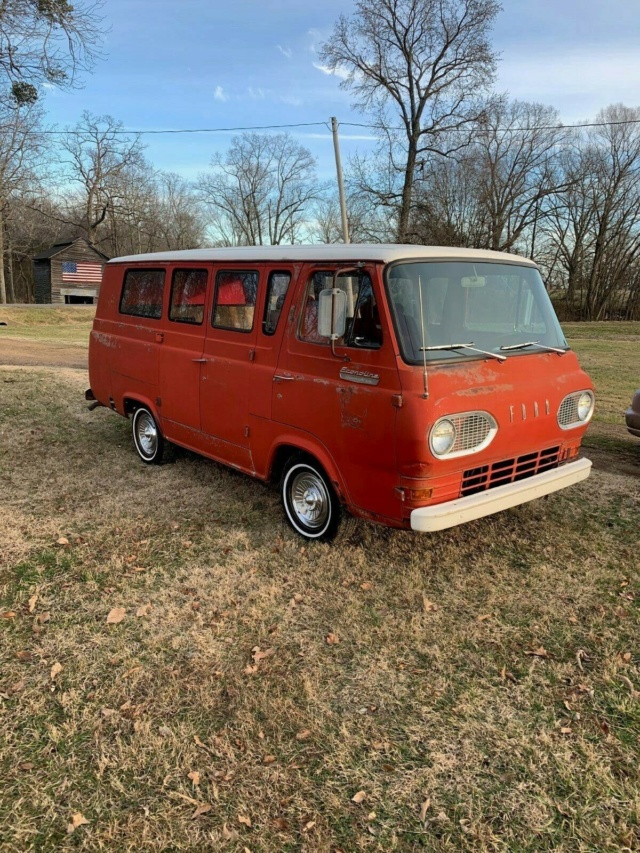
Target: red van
[{"x": 418, "y": 387}]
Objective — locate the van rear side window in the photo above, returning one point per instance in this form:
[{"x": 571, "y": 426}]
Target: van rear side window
[
  {"x": 188, "y": 293},
  {"x": 142, "y": 293},
  {"x": 235, "y": 302}
]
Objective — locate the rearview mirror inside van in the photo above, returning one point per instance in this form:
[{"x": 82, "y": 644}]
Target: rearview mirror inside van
[
  {"x": 332, "y": 313},
  {"x": 473, "y": 281}
]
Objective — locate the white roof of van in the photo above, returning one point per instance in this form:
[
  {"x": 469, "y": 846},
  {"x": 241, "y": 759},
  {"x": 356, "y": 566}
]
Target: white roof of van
[{"x": 321, "y": 252}]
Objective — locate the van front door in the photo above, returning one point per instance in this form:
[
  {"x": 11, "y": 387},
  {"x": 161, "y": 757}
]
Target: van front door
[
  {"x": 226, "y": 372},
  {"x": 347, "y": 403}
]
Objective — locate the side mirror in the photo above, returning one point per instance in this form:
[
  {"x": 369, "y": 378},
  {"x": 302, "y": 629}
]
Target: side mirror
[{"x": 332, "y": 313}]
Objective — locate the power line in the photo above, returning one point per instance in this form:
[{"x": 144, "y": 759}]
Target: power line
[
  {"x": 205, "y": 129},
  {"x": 508, "y": 129},
  {"x": 239, "y": 129}
]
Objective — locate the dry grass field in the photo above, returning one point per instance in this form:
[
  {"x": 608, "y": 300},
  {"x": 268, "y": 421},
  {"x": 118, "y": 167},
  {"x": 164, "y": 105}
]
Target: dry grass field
[{"x": 180, "y": 672}]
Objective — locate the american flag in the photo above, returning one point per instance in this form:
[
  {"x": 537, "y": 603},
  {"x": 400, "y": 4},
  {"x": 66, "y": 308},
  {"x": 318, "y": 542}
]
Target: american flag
[{"x": 79, "y": 271}]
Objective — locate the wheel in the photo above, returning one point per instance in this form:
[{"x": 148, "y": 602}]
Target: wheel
[
  {"x": 309, "y": 500},
  {"x": 147, "y": 437}
]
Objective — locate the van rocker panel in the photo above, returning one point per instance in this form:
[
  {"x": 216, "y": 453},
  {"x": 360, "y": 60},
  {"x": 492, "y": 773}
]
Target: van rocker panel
[{"x": 429, "y": 519}]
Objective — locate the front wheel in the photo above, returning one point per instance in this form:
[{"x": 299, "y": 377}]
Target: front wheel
[
  {"x": 147, "y": 437},
  {"x": 309, "y": 500}
]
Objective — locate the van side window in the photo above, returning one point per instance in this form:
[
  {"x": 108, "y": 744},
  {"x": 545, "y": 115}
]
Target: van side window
[
  {"x": 365, "y": 330},
  {"x": 309, "y": 328},
  {"x": 235, "y": 300},
  {"x": 188, "y": 293},
  {"x": 276, "y": 294},
  {"x": 363, "y": 318},
  {"x": 142, "y": 293}
]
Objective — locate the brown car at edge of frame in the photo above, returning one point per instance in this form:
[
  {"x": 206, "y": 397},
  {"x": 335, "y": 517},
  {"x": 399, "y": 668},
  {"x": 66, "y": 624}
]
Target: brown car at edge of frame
[{"x": 632, "y": 415}]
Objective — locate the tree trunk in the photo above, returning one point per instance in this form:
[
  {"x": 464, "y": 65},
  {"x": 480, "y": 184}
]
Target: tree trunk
[
  {"x": 407, "y": 194},
  {"x": 12, "y": 290},
  {"x": 3, "y": 288}
]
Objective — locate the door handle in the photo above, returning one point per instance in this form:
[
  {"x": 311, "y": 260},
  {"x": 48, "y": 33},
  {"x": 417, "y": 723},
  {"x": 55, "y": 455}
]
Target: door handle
[
  {"x": 279, "y": 378},
  {"x": 199, "y": 360},
  {"x": 159, "y": 337}
]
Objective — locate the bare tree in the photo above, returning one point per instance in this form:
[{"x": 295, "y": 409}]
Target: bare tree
[
  {"x": 429, "y": 61},
  {"x": 98, "y": 153},
  {"x": 259, "y": 191},
  {"x": 367, "y": 223},
  {"x": 517, "y": 147},
  {"x": 596, "y": 230},
  {"x": 21, "y": 149},
  {"x": 46, "y": 41},
  {"x": 180, "y": 214}
]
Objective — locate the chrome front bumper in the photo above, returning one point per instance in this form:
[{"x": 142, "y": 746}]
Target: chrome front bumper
[{"x": 428, "y": 519}]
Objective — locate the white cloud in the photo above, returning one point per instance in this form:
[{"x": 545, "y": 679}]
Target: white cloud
[
  {"x": 292, "y": 100},
  {"x": 315, "y": 36},
  {"x": 285, "y": 51},
  {"x": 219, "y": 94},
  {"x": 258, "y": 93},
  {"x": 342, "y": 73}
]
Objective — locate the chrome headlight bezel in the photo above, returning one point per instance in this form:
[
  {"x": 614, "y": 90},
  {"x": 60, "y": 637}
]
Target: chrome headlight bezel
[
  {"x": 442, "y": 426},
  {"x": 471, "y": 432},
  {"x": 576, "y": 409}
]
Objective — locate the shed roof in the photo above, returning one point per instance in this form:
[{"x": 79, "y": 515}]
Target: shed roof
[
  {"x": 351, "y": 253},
  {"x": 60, "y": 247}
]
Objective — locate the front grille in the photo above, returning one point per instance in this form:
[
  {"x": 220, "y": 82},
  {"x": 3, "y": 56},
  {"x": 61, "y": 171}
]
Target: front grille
[
  {"x": 509, "y": 470},
  {"x": 568, "y": 411},
  {"x": 471, "y": 431}
]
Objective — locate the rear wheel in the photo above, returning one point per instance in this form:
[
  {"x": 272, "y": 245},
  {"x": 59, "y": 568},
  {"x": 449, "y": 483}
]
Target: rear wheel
[
  {"x": 309, "y": 500},
  {"x": 147, "y": 437}
]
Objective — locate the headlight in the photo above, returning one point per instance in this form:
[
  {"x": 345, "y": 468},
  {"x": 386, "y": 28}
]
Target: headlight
[
  {"x": 576, "y": 409},
  {"x": 443, "y": 437},
  {"x": 585, "y": 405},
  {"x": 462, "y": 434}
]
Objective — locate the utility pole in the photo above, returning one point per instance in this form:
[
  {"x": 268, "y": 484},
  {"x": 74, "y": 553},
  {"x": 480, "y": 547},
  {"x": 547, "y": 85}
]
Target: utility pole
[{"x": 343, "y": 205}]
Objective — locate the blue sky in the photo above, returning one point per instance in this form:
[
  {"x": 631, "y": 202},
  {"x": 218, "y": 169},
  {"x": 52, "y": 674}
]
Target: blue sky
[{"x": 196, "y": 64}]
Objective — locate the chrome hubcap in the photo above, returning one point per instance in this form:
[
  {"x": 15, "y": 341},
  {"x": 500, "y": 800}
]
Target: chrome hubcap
[
  {"x": 147, "y": 433},
  {"x": 310, "y": 500}
]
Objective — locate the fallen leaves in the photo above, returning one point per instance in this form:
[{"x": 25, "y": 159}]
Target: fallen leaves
[
  {"x": 32, "y": 602},
  {"x": 540, "y": 652},
  {"x": 116, "y": 615},
  {"x": 63, "y": 541},
  {"x": 143, "y": 610},
  {"x": 9, "y": 614},
  {"x": 195, "y": 777},
  {"x": 77, "y": 820},
  {"x": 360, "y": 797},
  {"x": 56, "y": 669},
  {"x": 629, "y": 684},
  {"x": 259, "y": 655},
  {"x": 303, "y": 735},
  {"x": 201, "y": 809},
  {"x": 428, "y": 606},
  {"x": 424, "y": 808},
  {"x": 246, "y": 821},
  {"x": 332, "y": 639}
]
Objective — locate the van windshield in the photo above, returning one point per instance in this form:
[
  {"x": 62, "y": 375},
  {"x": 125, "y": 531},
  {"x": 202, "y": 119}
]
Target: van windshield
[{"x": 489, "y": 305}]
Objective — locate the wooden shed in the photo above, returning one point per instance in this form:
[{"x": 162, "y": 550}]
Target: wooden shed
[{"x": 68, "y": 273}]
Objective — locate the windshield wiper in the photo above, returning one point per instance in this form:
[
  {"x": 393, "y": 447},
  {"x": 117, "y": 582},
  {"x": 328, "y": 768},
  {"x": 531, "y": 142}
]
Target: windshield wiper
[
  {"x": 454, "y": 347},
  {"x": 526, "y": 344}
]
